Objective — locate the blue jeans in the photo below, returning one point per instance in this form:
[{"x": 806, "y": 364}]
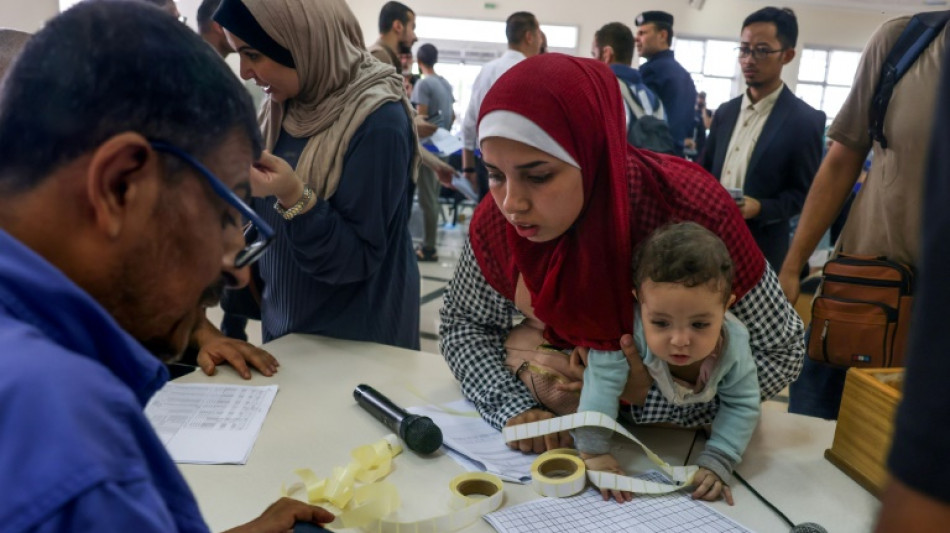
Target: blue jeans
[{"x": 817, "y": 391}]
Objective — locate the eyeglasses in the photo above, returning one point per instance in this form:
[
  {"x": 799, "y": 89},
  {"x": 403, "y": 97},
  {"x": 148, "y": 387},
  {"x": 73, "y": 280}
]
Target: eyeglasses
[
  {"x": 756, "y": 53},
  {"x": 252, "y": 252}
]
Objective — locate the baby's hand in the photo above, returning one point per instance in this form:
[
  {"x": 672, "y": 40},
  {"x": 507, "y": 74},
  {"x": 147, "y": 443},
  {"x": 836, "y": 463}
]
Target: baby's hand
[
  {"x": 710, "y": 488},
  {"x": 607, "y": 463}
]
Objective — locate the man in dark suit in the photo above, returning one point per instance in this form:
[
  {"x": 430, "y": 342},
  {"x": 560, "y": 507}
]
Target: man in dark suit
[{"x": 765, "y": 146}]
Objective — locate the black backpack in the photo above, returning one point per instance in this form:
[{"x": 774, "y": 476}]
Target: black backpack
[
  {"x": 647, "y": 130},
  {"x": 919, "y": 33}
]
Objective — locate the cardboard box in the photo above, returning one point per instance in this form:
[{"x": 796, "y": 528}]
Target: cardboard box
[{"x": 866, "y": 425}]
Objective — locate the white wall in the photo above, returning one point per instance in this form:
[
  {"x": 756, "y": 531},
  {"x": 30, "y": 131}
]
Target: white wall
[
  {"x": 825, "y": 27},
  {"x": 26, "y": 15}
]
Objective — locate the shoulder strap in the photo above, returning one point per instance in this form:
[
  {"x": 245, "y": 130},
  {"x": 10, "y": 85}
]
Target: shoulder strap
[
  {"x": 632, "y": 104},
  {"x": 919, "y": 33}
]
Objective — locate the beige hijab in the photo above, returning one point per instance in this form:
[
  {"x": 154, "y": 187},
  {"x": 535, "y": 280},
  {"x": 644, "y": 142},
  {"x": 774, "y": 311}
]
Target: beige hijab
[
  {"x": 11, "y": 42},
  {"x": 340, "y": 84}
]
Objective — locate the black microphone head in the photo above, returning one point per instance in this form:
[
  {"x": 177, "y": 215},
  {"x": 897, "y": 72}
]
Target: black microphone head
[
  {"x": 808, "y": 527},
  {"x": 421, "y": 434}
]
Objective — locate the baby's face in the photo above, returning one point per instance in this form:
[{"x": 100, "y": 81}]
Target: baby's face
[{"x": 681, "y": 324}]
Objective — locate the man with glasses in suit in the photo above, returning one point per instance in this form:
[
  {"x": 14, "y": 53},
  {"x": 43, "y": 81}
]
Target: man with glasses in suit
[{"x": 765, "y": 145}]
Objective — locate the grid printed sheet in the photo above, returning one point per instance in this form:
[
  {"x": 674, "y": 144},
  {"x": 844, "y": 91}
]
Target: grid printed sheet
[{"x": 587, "y": 512}]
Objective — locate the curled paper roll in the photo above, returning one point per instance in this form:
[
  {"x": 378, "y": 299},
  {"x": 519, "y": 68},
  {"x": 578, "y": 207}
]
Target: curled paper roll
[{"x": 558, "y": 474}]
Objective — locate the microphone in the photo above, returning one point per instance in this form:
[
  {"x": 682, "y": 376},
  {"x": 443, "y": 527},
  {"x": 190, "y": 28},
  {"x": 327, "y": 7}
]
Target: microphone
[{"x": 420, "y": 433}]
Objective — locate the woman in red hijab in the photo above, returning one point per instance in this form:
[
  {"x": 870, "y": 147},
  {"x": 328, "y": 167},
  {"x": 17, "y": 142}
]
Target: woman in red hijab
[{"x": 570, "y": 201}]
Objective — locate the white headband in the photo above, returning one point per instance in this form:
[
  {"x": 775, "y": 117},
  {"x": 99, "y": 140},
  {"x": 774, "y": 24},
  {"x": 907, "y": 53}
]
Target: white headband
[{"x": 511, "y": 125}]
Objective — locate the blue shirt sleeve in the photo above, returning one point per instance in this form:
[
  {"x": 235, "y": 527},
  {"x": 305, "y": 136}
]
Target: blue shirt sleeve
[
  {"x": 739, "y": 397},
  {"x": 604, "y": 378},
  {"x": 344, "y": 239}
]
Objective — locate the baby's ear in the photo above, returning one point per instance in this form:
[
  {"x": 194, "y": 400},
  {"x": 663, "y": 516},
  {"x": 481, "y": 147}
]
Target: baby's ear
[{"x": 732, "y": 300}]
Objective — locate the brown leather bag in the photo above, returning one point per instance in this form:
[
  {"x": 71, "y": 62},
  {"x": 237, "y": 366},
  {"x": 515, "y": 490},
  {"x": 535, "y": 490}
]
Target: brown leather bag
[{"x": 862, "y": 313}]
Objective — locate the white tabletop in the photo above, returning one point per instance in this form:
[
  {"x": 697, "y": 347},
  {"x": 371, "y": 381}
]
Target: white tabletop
[{"x": 315, "y": 422}]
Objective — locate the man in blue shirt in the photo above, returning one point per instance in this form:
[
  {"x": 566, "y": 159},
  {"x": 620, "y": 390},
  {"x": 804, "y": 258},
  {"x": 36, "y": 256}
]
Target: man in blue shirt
[
  {"x": 113, "y": 231},
  {"x": 664, "y": 75}
]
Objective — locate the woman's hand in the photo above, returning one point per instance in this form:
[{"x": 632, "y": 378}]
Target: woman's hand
[
  {"x": 638, "y": 379},
  {"x": 272, "y": 176},
  {"x": 552, "y": 441}
]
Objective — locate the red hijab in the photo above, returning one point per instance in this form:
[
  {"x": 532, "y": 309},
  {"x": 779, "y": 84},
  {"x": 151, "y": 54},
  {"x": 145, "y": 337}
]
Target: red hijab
[{"x": 580, "y": 283}]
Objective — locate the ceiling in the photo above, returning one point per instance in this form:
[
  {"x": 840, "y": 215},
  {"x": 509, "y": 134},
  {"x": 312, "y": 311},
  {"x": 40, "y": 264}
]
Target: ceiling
[{"x": 883, "y": 6}]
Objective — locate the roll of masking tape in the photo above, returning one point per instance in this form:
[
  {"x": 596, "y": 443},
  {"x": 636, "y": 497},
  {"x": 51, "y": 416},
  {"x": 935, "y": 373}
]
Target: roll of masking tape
[
  {"x": 558, "y": 474},
  {"x": 471, "y": 494},
  {"x": 682, "y": 476}
]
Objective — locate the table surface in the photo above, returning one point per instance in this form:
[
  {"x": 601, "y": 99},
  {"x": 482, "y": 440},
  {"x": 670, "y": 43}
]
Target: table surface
[{"x": 314, "y": 423}]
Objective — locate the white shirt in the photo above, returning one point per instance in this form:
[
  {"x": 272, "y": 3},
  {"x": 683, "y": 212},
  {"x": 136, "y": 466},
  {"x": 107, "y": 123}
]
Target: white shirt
[
  {"x": 483, "y": 82},
  {"x": 748, "y": 128}
]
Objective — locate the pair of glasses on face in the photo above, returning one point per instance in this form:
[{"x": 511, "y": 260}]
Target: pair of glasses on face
[
  {"x": 756, "y": 53},
  {"x": 265, "y": 235}
]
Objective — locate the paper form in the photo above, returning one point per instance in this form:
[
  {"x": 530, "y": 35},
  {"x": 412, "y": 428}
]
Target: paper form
[
  {"x": 476, "y": 445},
  {"x": 209, "y": 424},
  {"x": 587, "y": 512}
]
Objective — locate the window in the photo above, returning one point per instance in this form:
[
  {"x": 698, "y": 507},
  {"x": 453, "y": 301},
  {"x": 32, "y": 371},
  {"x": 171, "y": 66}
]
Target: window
[
  {"x": 465, "y": 45},
  {"x": 825, "y": 78},
  {"x": 712, "y": 64}
]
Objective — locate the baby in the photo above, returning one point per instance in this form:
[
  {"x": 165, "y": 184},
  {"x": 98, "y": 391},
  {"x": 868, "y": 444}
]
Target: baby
[{"x": 692, "y": 347}]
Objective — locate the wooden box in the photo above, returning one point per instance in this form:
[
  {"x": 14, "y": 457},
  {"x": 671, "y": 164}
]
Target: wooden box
[{"x": 866, "y": 425}]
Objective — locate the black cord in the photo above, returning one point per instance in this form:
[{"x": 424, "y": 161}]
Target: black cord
[
  {"x": 762, "y": 498},
  {"x": 736, "y": 475}
]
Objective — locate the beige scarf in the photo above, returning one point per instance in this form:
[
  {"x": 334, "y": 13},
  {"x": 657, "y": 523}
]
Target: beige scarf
[
  {"x": 340, "y": 85},
  {"x": 11, "y": 42}
]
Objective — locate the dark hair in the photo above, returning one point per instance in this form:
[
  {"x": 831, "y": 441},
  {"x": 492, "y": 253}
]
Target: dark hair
[
  {"x": 685, "y": 253},
  {"x": 205, "y": 10},
  {"x": 518, "y": 25},
  {"x": 427, "y": 55},
  {"x": 668, "y": 28},
  {"x": 77, "y": 83},
  {"x": 390, "y": 13},
  {"x": 619, "y": 37},
  {"x": 786, "y": 24}
]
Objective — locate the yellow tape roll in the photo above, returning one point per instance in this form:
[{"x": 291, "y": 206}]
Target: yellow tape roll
[{"x": 558, "y": 473}]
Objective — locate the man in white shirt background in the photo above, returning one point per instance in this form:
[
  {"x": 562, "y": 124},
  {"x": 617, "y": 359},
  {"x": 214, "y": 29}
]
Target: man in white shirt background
[{"x": 524, "y": 41}]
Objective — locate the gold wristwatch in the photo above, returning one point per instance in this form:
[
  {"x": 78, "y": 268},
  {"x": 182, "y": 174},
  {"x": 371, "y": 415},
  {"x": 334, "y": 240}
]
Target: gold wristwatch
[{"x": 295, "y": 209}]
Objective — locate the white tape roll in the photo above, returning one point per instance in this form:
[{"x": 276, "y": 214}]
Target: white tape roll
[
  {"x": 681, "y": 475},
  {"x": 558, "y": 474}
]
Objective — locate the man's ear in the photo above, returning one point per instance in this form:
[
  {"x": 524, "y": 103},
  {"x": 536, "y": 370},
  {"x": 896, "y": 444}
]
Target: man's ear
[
  {"x": 608, "y": 53},
  {"x": 398, "y": 27},
  {"x": 634, "y": 292},
  {"x": 120, "y": 181},
  {"x": 788, "y": 55}
]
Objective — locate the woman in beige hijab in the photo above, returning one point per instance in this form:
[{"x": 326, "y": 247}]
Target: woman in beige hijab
[{"x": 334, "y": 182}]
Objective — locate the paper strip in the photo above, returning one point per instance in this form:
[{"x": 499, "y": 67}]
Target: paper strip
[{"x": 682, "y": 475}]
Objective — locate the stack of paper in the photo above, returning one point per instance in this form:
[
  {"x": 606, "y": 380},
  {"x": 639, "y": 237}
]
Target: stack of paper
[
  {"x": 209, "y": 424},
  {"x": 475, "y": 444}
]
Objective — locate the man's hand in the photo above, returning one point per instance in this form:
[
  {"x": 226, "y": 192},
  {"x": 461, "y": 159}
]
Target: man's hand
[
  {"x": 606, "y": 462},
  {"x": 552, "y": 441},
  {"x": 791, "y": 284},
  {"x": 281, "y": 516},
  {"x": 214, "y": 349},
  {"x": 443, "y": 170},
  {"x": 750, "y": 207},
  {"x": 710, "y": 488}
]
